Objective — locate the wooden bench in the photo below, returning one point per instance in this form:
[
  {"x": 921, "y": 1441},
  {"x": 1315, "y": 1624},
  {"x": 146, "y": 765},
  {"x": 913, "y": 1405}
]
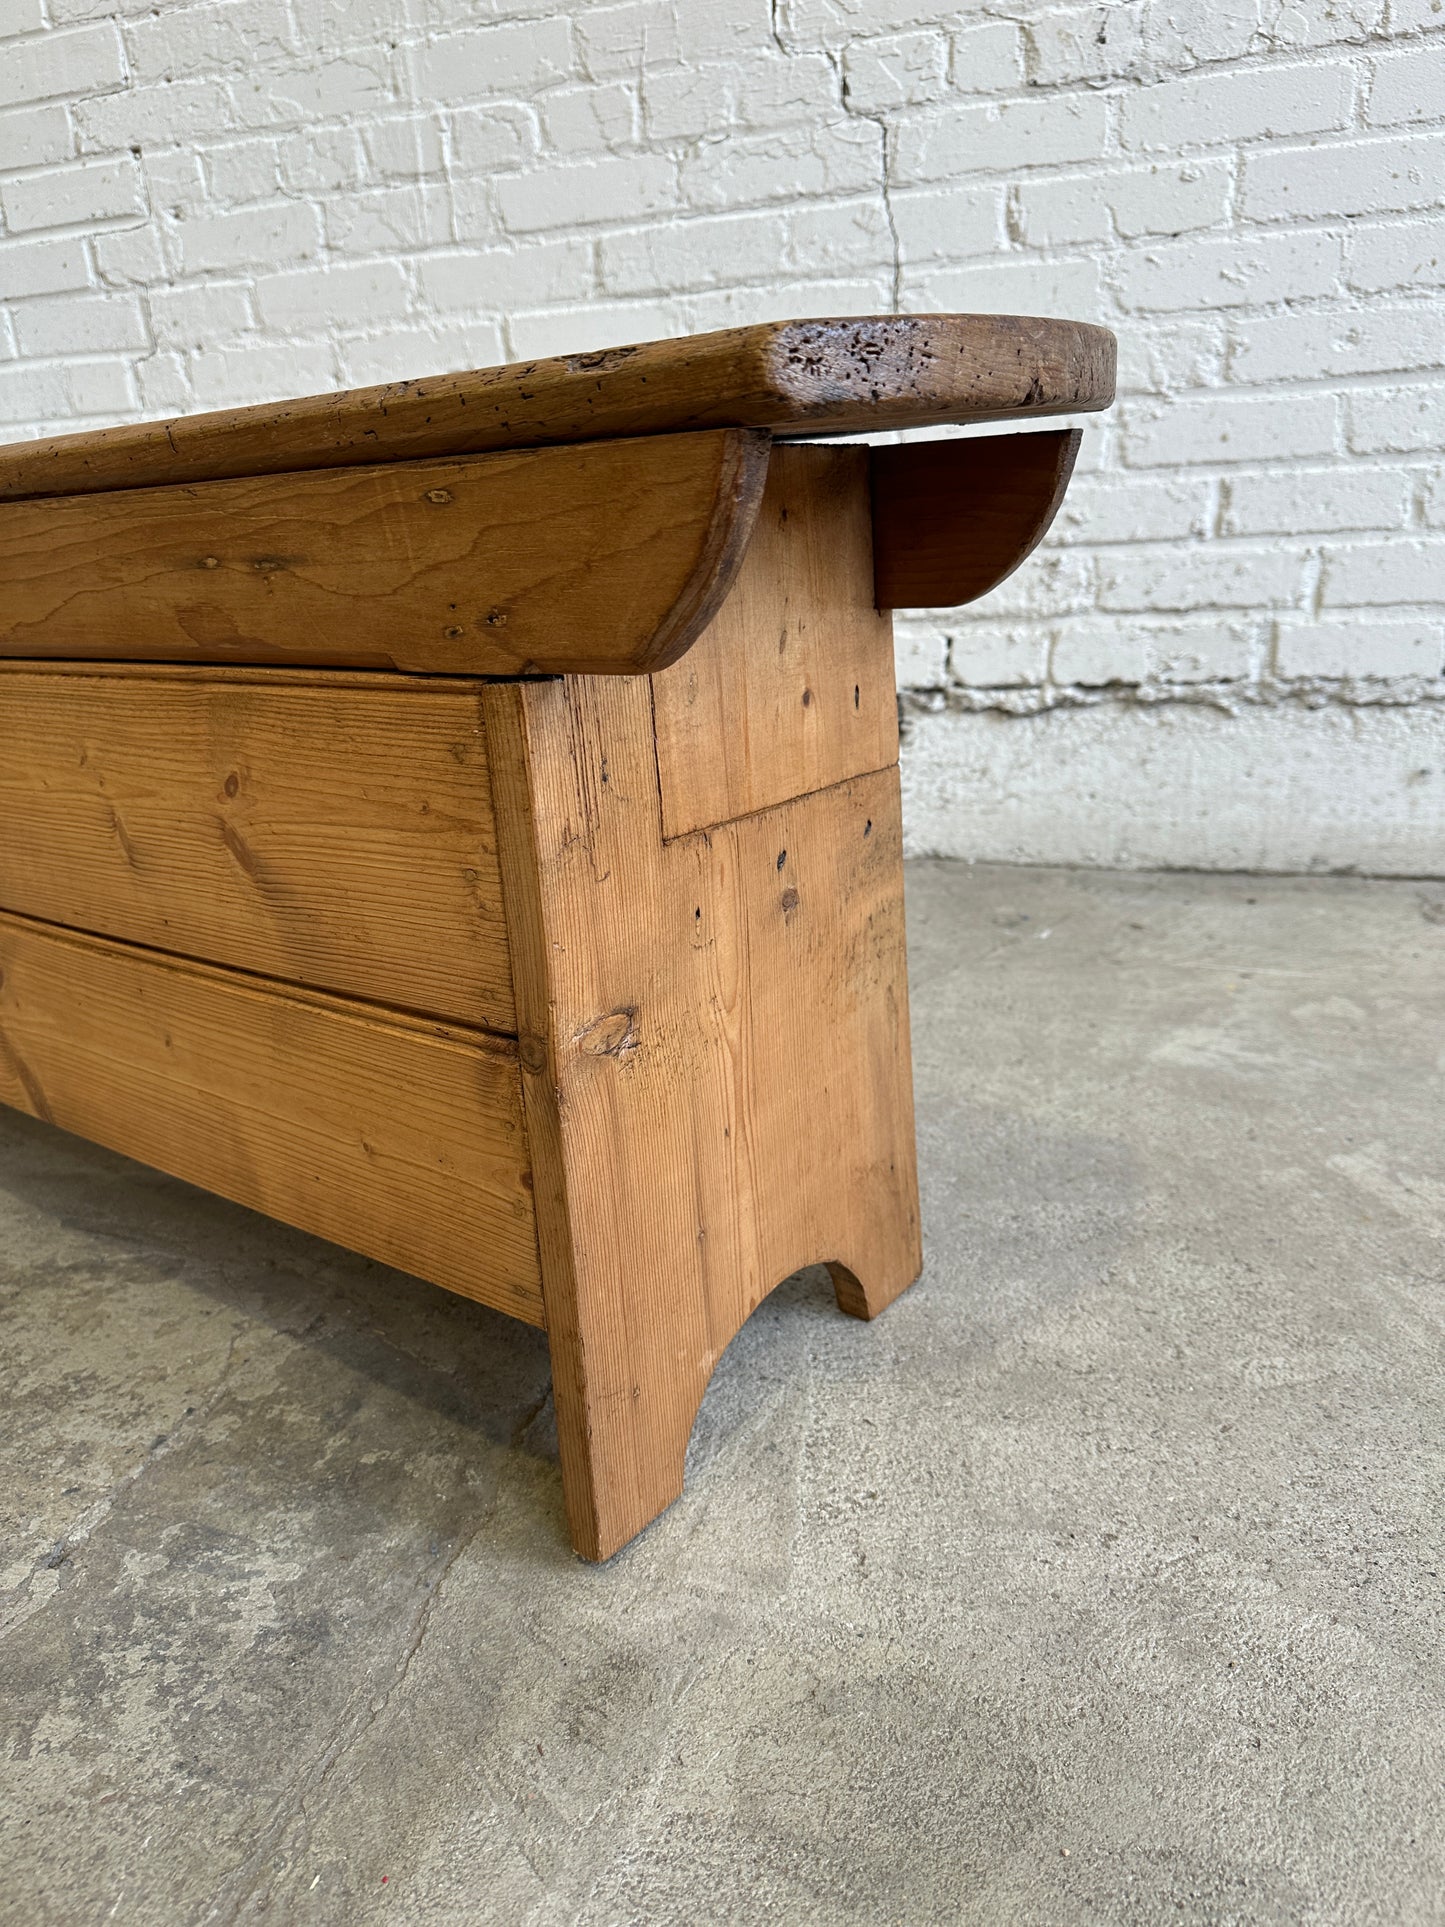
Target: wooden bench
[{"x": 461, "y": 819}]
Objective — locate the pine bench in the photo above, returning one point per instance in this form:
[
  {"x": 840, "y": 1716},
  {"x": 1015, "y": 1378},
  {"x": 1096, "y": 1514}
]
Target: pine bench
[{"x": 461, "y": 819}]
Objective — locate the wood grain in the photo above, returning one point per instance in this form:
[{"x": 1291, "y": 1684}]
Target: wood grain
[
  {"x": 790, "y": 687},
  {"x": 336, "y": 832},
  {"x": 842, "y": 376},
  {"x": 607, "y": 558},
  {"x": 951, "y": 520},
  {"x": 714, "y": 1040},
  {"x": 396, "y": 1138}
]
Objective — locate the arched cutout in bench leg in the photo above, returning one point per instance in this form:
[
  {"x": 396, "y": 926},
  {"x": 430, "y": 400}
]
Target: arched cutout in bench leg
[{"x": 716, "y": 1070}]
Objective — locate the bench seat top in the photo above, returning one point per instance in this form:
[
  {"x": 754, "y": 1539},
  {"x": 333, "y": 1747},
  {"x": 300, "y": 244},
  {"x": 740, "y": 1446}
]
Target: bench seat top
[{"x": 794, "y": 378}]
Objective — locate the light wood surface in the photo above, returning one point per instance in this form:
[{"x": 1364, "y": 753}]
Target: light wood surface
[
  {"x": 953, "y": 519},
  {"x": 793, "y": 377},
  {"x": 606, "y": 558},
  {"x": 714, "y": 1040},
  {"x": 740, "y": 726},
  {"x": 399, "y": 1139},
  {"x": 336, "y": 832}
]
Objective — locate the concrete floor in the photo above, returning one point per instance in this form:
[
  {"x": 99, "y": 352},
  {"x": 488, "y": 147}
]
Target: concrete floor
[{"x": 1100, "y": 1580}]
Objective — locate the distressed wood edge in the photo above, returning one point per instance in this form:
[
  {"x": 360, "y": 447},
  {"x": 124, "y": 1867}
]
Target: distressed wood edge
[
  {"x": 845, "y": 375},
  {"x": 742, "y": 477},
  {"x": 504, "y": 709},
  {"x": 969, "y": 460}
]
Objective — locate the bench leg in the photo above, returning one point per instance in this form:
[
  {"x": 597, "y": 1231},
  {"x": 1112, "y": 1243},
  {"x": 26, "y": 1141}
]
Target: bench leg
[{"x": 714, "y": 1039}]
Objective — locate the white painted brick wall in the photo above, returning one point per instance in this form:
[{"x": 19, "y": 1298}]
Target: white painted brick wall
[{"x": 217, "y": 201}]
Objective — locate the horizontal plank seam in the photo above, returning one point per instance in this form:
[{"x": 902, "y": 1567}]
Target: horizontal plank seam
[
  {"x": 243, "y": 675},
  {"x": 499, "y": 1043},
  {"x": 782, "y": 803}
]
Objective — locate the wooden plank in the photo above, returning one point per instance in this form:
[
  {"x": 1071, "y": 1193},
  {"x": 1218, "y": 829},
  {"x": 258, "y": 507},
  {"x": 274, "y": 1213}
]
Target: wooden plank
[
  {"x": 396, "y": 1138},
  {"x": 798, "y": 377},
  {"x": 714, "y": 1039},
  {"x": 607, "y": 558},
  {"x": 742, "y": 726},
  {"x": 951, "y": 520},
  {"x": 336, "y": 831}
]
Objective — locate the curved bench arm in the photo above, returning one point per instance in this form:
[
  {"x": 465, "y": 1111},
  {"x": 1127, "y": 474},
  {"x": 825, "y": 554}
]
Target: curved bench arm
[{"x": 952, "y": 519}]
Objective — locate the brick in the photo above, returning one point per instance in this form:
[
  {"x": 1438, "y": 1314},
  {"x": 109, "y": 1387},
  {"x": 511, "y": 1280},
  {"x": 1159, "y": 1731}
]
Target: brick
[
  {"x": 1253, "y": 104},
  {"x": 1182, "y": 33},
  {"x": 920, "y": 653},
  {"x": 1358, "y": 646},
  {"x": 1056, "y": 582},
  {"x": 62, "y": 65},
  {"x": 130, "y": 257},
  {"x": 1229, "y": 428},
  {"x": 1358, "y": 177},
  {"x": 248, "y": 170},
  {"x": 591, "y": 120},
  {"x": 531, "y": 275},
  {"x": 600, "y": 325},
  {"x": 694, "y": 254},
  {"x": 70, "y": 324},
  {"x": 30, "y": 394},
  {"x": 1092, "y": 653},
  {"x": 43, "y": 267},
  {"x": 389, "y": 220},
  {"x": 164, "y": 384},
  {"x": 34, "y": 137},
  {"x": 1407, "y": 87},
  {"x": 73, "y": 196},
  {"x": 235, "y": 36},
  {"x": 586, "y": 192},
  {"x": 286, "y": 231},
  {"x": 707, "y": 31},
  {"x": 1237, "y": 272},
  {"x": 786, "y": 165},
  {"x": 22, "y": 17},
  {"x": 987, "y": 59},
  {"x": 1415, "y": 16},
  {"x": 322, "y": 161},
  {"x": 901, "y": 70},
  {"x": 1435, "y": 498},
  {"x": 1396, "y": 421},
  {"x": 100, "y": 388},
  {"x": 763, "y": 90},
  {"x": 152, "y": 117},
  {"x": 989, "y": 655},
  {"x": 1376, "y": 574},
  {"x": 1280, "y": 502},
  {"x": 1209, "y": 575},
  {"x": 998, "y": 138},
  {"x": 332, "y": 89},
  {"x": 484, "y": 139},
  {"x": 1010, "y": 286},
  {"x": 1165, "y": 357},
  {"x": 1136, "y": 508},
  {"x": 839, "y": 238},
  {"x": 627, "y": 39},
  {"x": 514, "y": 58},
  {"x": 1150, "y": 200},
  {"x": 1286, "y": 347},
  {"x": 398, "y": 354},
  {"x": 1386, "y": 259},
  {"x": 349, "y": 294},
  {"x": 410, "y": 145},
  {"x": 948, "y": 224},
  {"x": 1094, "y": 44},
  {"x": 230, "y": 375},
  {"x": 206, "y": 311},
  {"x": 740, "y": 307}
]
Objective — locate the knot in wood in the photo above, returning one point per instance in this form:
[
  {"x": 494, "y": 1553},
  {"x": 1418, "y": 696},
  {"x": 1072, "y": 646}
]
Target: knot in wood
[{"x": 614, "y": 1035}]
